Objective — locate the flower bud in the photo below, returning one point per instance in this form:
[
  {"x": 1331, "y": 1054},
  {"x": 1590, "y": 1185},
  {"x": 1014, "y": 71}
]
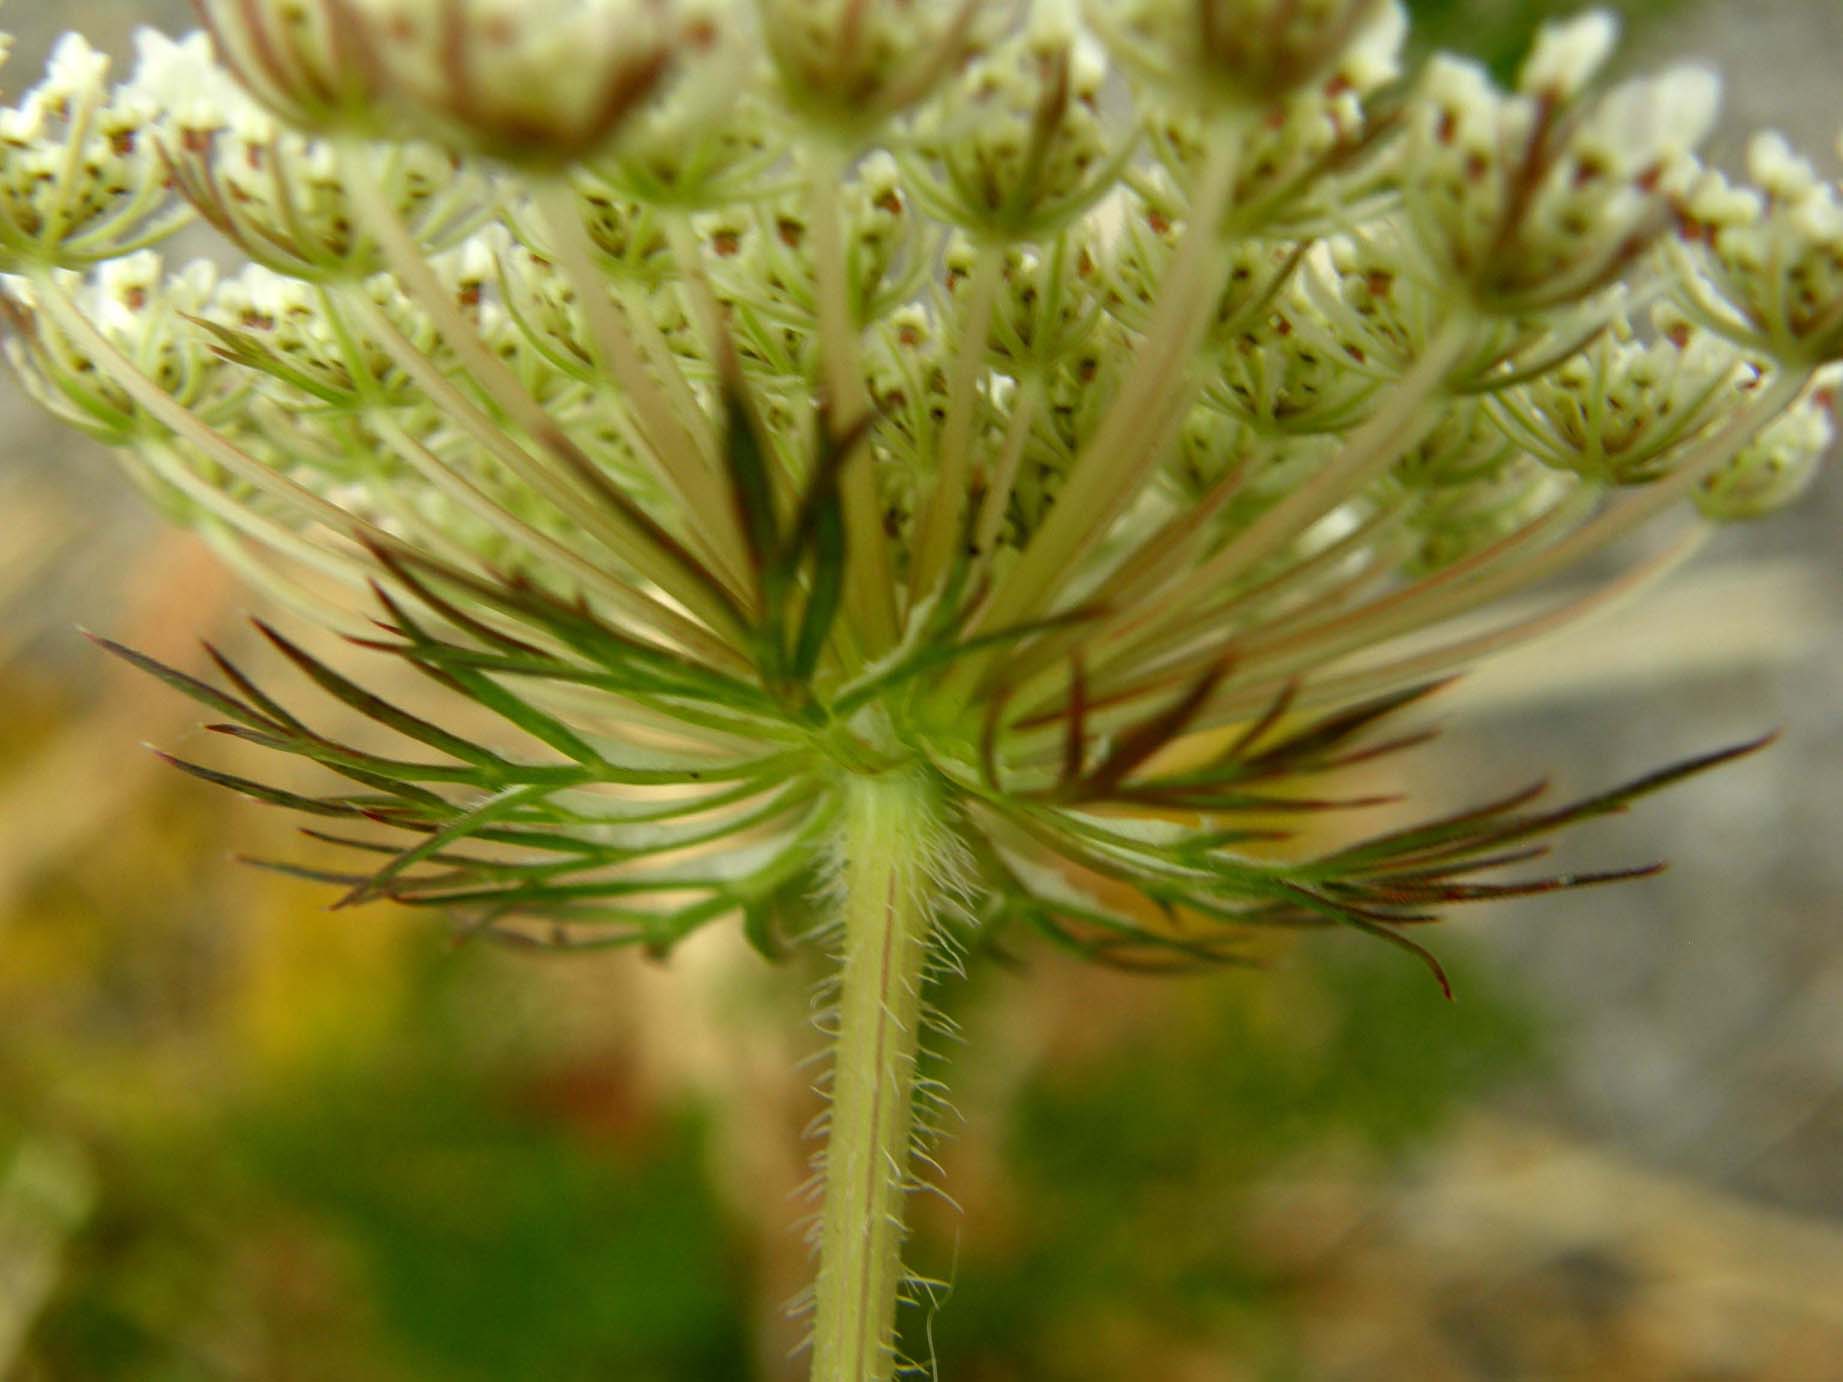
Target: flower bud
[
  {"x": 1765, "y": 267},
  {"x": 145, "y": 316},
  {"x": 698, "y": 146},
  {"x": 1622, "y": 412},
  {"x": 765, "y": 264},
  {"x": 1533, "y": 202},
  {"x": 80, "y": 181},
  {"x": 1567, "y": 56},
  {"x": 1046, "y": 306},
  {"x": 1253, "y": 53},
  {"x": 1016, "y": 147},
  {"x": 1463, "y": 447},
  {"x": 1777, "y": 466},
  {"x": 1450, "y": 523},
  {"x": 1282, "y": 378},
  {"x": 544, "y": 81},
  {"x": 847, "y": 66}
]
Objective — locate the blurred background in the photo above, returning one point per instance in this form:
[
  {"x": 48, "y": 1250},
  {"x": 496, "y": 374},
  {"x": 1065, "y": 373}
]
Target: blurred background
[{"x": 246, "y": 1139}]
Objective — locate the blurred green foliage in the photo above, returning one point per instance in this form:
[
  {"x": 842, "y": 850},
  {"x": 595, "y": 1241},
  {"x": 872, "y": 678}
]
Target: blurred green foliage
[
  {"x": 395, "y": 1213},
  {"x": 1131, "y": 1172},
  {"x": 494, "y": 1245}
]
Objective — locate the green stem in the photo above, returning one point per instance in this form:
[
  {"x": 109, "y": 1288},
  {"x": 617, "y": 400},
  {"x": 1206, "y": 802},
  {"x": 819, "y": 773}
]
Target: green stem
[
  {"x": 870, "y": 591},
  {"x": 886, "y": 929},
  {"x": 940, "y": 528}
]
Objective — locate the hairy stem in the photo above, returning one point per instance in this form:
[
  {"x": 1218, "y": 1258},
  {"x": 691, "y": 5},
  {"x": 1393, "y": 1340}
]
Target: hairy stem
[{"x": 886, "y": 930}]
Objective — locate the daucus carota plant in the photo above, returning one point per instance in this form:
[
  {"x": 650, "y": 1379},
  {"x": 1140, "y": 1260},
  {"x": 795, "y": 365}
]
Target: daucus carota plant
[{"x": 895, "y": 472}]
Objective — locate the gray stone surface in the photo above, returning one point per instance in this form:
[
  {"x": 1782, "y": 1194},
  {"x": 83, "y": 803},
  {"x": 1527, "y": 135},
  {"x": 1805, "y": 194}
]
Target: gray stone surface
[{"x": 1701, "y": 1014}]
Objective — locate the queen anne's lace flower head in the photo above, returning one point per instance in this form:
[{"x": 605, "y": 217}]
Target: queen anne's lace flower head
[
  {"x": 844, "y": 384},
  {"x": 1079, "y": 424}
]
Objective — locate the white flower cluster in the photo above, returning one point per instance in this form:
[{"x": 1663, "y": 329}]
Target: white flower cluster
[
  {"x": 1094, "y": 270},
  {"x": 1622, "y": 410},
  {"x": 80, "y": 182},
  {"x": 1018, "y": 146},
  {"x": 542, "y": 79},
  {"x": 1777, "y": 465},
  {"x": 142, "y": 313},
  {"x": 1529, "y": 200},
  {"x": 1254, "y": 52},
  {"x": 1763, "y": 265}
]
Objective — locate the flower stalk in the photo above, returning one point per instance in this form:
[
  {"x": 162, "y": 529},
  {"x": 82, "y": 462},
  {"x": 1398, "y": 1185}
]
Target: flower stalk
[
  {"x": 889, "y": 881},
  {"x": 870, "y": 593}
]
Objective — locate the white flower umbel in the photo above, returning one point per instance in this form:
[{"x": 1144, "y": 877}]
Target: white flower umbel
[{"x": 902, "y": 473}]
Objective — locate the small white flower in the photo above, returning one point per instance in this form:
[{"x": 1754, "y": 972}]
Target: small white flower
[
  {"x": 1656, "y": 123},
  {"x": 1567, "y": 56},
  {"x": 1779, "y": 171},
  {"x": 185, "y": 84},
  {"x": 75, "y": 70}
]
